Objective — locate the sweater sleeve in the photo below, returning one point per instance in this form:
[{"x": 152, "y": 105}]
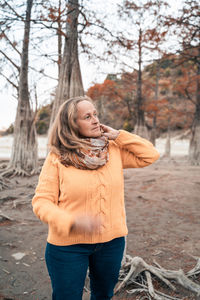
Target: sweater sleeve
[
  {"x": 46, "y": 198},
  {"x": 136, "y": 152}
]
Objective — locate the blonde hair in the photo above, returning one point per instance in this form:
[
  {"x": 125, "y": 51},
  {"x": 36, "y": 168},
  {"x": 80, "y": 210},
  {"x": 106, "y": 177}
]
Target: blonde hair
[{"x": 64, "y": 136}]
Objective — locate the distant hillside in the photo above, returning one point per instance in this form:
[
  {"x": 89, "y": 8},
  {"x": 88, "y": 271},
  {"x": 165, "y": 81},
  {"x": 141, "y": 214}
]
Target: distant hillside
[
  {"x": 174, "y": 79},
  {"x": 43, "y": 119}
]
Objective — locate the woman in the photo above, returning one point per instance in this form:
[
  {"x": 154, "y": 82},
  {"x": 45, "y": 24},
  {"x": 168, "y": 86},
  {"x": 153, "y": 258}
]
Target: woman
[{"x": 80, "y": 195}]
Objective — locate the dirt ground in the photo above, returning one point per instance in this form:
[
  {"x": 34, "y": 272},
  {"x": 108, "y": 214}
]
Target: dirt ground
[{"x": 163, "y": 216}]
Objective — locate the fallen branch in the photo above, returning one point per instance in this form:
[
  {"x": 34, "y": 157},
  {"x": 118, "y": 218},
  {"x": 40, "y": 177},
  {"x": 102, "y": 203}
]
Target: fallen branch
[
  {"x": 136, "y": 267},
  {"x": 4, "y": 217},
  {"x": 19, "y": 202},
  {"x": 196, "y": 269},
  {"x": 180, "y": 278},
  {"x": 145, "y": 290}
]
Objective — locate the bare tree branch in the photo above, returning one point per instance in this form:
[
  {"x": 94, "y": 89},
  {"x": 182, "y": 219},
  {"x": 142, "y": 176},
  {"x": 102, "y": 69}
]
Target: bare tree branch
[
  {"x": 13, "y": 10},
  {"x": 12, "y": 83},
  {"x": 10, "y": 60},
  {"x": 11, "y": 43}
]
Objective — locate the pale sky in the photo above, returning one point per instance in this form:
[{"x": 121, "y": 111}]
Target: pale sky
[
  {"x": 8, "y": 108},
  {"x": 8, "y": 104},
  {"x": 90, "y": 74}
]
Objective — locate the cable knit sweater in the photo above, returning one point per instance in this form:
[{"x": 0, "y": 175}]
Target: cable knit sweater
[{"x": 63, "y": 193}]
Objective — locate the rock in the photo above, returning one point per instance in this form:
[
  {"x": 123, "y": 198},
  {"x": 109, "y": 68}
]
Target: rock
[{"x": 18, "y": 255}]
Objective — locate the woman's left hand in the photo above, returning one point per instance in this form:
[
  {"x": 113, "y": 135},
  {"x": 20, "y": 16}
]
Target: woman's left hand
[{"x": 109, "y": 132}]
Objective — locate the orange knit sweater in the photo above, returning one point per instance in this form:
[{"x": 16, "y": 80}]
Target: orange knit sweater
[{"x": 63, "y": 193}]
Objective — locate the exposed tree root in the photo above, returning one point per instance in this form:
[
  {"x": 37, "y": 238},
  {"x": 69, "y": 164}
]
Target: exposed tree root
[
  {"x": 12, "y": 172},
  {"x": 4, "y": 217},
  {"x": 3, "y": 164},
  {"x": 196, "y": 269},
  {"x": 136, "y": 267},
  {"x": 4, "y": 184},
  {"x": 17, "y": 203}
]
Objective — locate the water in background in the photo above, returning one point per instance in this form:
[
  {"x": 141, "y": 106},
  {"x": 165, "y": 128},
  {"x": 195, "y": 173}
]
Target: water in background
[
  {"x": 6, "y": 145},
  {"x": 178, "y": 147}
]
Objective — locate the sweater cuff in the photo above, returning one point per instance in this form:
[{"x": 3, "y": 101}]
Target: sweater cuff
[
  {"x": 63, "y": 223},
  {"x": 122, "y": 136}
]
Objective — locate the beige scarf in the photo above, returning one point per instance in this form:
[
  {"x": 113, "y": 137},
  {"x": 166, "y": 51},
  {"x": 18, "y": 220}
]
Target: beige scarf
[{"x": 94, "y": 156}]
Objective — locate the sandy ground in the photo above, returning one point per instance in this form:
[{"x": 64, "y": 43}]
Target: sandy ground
[{"x": 163, "y": 216}]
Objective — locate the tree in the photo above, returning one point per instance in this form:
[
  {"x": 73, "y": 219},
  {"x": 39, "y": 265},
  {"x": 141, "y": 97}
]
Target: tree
[
  {"x": 146, "y": 38},
  {"x": 107, "y": 97},
  {"x": 128, "y": 92},
  {"x": 10, "y": 67},
  {"x": 154, "y": 127},
  {"x": 194, "y": 151},
  {"x": 70, "y": 80},
  {"x": 15, "y": 68},
  {"x": 24, "y": 149},
  {"x": 186, "y": 26},
  {"x": 12, "y": 16}
]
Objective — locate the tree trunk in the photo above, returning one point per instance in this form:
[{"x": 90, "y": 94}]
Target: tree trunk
[
  {"x": 153, "y": 131},
  {"x": 154, "y": 127},
  {"x": 194, "y": 149},
  {"x": 168, "y": 142},
  {"x": 140, "y": 127},
  {"x": 24, "y": 149},
  {"x": 59, "y": 34},
  {"x": 70, "y": 80},
  {"x": 129, "y": 100},
  {"x": 101, "y": 109}
]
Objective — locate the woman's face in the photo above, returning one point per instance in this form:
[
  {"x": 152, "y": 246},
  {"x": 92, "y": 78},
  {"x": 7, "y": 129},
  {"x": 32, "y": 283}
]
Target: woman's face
[{"x": 87, "y": 120}]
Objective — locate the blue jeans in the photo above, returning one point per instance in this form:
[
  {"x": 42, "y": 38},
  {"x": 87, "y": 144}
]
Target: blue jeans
[{"x": 67, "y": 267}]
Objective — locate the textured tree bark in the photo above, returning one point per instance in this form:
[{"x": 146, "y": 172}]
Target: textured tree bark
[
  {"x": 167, "y": 152},
  {"x": 194, "y": 150},
  {"x": 154, "y": 127},
  {"x": 140, "y": 127},
  {"x": 59, "y": 31},
  {"x": 70, "y": 80},
  {"x": 3, "y": 184},
  {"x": 24, "y": 149}
]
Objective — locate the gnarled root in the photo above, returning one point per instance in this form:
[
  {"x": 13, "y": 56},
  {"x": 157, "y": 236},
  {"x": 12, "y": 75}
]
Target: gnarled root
[
  {"x": 12, "y": 172},
  {"x": 4, "y": 217},
  {"x": 3, "y": 184},
  {"x": 136, "y": 266}
]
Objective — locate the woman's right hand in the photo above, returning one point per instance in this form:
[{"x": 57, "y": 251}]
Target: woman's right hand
[
  {"x": 86, "y": 224},
  {"x": 109, "y": 132}
]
